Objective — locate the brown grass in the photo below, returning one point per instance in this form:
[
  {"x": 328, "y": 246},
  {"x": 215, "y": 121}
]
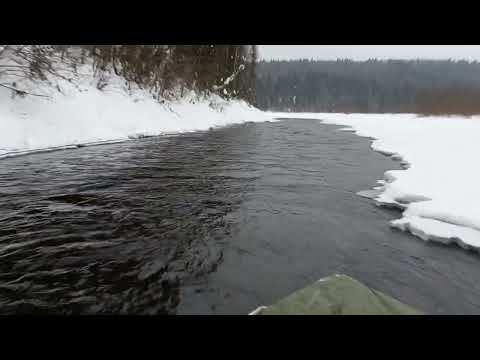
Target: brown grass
[{"x": 454, "y": 101}]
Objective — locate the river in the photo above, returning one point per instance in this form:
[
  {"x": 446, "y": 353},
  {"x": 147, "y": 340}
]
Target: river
[{"x": 215, "y": 222}]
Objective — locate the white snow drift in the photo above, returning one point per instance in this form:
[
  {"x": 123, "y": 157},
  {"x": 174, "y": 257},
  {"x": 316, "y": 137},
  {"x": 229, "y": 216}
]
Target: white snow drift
[
  {"x": 440, "y": 189},
  {"x": 82, "y": 114}
]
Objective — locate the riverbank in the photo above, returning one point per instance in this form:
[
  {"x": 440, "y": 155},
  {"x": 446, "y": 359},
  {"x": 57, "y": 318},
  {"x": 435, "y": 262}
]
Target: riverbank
[
  {"x": 438, "y": 188},
  {"x": 79, "y": 113}
]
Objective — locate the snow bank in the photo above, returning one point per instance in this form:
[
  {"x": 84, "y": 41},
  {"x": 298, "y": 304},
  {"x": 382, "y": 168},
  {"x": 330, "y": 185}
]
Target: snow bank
[
  {"x": 83, "y": 114},
  {"x": 440, "y": 188}
]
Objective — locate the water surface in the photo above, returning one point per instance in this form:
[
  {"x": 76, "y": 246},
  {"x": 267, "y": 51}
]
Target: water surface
[{"x": 215, "y": 222}]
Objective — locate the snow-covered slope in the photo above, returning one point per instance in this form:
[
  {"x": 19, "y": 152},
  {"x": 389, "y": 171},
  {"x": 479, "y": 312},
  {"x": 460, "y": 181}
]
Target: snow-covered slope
[
  {"x": 82, "y": 114},
  {"x": 440, "y": 189}
]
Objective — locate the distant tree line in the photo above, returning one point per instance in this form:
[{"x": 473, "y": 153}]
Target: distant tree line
[
  {"x": 228, "y": 70},
  {"x": 424, "y": 86}
]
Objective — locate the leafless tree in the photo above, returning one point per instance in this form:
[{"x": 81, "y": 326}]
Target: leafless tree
[
  {"x": 33, "y": 63},
  {"x": 227, "y": 70}
]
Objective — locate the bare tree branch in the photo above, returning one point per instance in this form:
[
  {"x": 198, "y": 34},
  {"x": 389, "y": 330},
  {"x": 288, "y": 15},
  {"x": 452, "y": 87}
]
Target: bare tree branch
[{"x": 21, "y": 92}]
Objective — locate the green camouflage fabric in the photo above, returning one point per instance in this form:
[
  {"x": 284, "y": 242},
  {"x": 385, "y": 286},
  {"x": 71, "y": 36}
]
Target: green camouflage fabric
[{"x": 337, "y": 295}]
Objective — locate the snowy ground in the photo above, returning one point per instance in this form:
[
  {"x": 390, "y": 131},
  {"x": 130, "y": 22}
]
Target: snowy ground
[
  {"x": 82, "y": 114},
  {"x": 440, "y": 188}
]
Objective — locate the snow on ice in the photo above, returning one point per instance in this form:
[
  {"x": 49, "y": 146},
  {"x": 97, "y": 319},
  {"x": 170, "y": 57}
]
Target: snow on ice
[{"x": 440, "y": 188}]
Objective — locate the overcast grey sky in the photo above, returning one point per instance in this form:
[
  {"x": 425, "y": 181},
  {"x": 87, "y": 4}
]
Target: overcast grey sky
[{"x": 364, "y": 52}]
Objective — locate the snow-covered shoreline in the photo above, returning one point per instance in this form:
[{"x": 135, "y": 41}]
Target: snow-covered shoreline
[
  {"x": 81, "y": 114},
  {"x": 69, "y": 126},
  {"x": 439, "y": 188}
]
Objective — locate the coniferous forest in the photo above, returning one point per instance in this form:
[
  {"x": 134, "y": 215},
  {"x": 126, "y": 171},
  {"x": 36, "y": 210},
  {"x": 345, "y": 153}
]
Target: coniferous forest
[{"x": 374, "y": 86}]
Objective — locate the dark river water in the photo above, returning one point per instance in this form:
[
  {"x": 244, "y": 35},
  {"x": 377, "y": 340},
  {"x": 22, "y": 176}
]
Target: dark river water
[{"x": 216, "y": 222}]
